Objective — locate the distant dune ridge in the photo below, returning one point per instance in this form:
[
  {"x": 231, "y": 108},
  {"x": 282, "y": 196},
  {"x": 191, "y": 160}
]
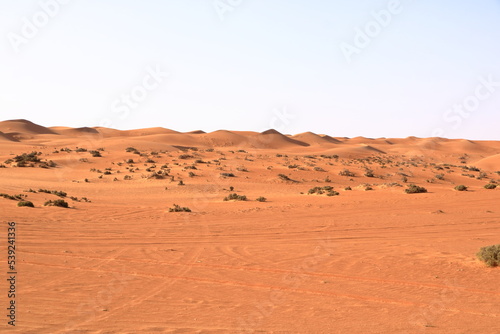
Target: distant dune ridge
[{"x": 24, "y": 132}]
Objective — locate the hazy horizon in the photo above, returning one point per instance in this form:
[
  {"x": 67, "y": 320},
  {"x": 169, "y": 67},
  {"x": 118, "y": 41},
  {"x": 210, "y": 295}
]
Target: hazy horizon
[{"x": 370, "y": 68}]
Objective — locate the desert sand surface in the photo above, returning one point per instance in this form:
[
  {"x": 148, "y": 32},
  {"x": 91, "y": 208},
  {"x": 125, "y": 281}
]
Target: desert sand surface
[{"x": 372, "y": 259}]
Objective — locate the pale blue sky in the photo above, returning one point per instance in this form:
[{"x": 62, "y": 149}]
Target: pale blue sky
[{"x": 263, "y": 56}]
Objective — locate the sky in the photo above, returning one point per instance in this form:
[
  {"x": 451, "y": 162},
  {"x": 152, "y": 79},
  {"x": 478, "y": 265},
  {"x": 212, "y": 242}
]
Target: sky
[{"x": 344, "y": 68}]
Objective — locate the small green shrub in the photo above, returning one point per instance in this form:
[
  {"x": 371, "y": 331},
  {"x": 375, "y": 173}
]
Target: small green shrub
[
  {"x": 235, "y": 197},
  {"x": 58, "y": 202},
  {"x": 328, "y": 190},
  {"x": 25, "y": 203},
  {"x": 414, "y": 189},
  {"x": 261, "y": 199},
  {"x": 490, "y": 255},
  {"x": 227, "y": 174},
  {"x": 490, "y": 186},
  {"x": 461, "y": 187},
  {"x": 95, "y": 154},
  {"x": 13, "y": 197},
  {"x": 346, "y": 172},
  {"x": 178, "y": 208}
]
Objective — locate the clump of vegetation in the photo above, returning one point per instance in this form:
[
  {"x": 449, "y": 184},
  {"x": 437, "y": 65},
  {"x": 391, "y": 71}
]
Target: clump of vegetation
[
  {"x": 490, "y": 255},
  {"x": 461, "y": 187},
  {"x": 54, "y": 192},
  {"x": 439, "y": 176},
  {"x": 13, "y": 197},
  {"x": 186, "y": 156},
  {"x": 96, "y": 154},
  {"x": 27, "y": 157},
  {"x": 227, "y": 174},
  {"x": 26, "y": 203},
  {"x": 155, "y": 175},
  {"x": 414, "y": 189},
  {"x": 369, "y": 173},
  {"x": 58, "y": 202},
  {"x": 261, "y": 199},
  {"x": 490, "y": 186},
  {"x": 284, "y": 177},
  {"x": 191, "y": 174},
  {"x": 178, "y": 208},
  {"x": 181, "y": 183},
  {"x": 346, "y": 172},
  {"x": 328, "y": 190},
  {"x": 348, "y": 188},
  {"x": 235, "y": 197},
  {"x": 130, "y": 149}
]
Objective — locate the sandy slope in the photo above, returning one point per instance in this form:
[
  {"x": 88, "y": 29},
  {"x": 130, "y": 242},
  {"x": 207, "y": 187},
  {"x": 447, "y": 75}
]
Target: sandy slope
[{"x": 378, "y": 261}]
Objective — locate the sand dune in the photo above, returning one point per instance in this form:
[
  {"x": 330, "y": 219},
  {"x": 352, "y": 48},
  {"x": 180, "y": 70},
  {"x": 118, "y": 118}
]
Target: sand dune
[
  {"x": 491, "y": 163},
  {"x": 314, "y": 139},
  {"x": 326, "y": 240},
  {"x": 22, "y": 126}
]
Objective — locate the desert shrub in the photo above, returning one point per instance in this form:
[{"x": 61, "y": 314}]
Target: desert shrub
[
  {"x": 107, "y": 172},
  {"x": 490, "y": 255},
  {"x": 58, "y": 202},
  {"x": 25, "y": 203},
  {"x": 81, "y": 149},
  {"x": 231, "y": 188},
  {"x": 319, "y": 169},
  {"x": 156, "y": 175},
  {"x": 285, "y": 177},
  {"x": 490, "y": 186},
  {"x": 332, "y": 193},
  {"x": 127, "y": 177},
  {"x": 227, "y": 174},
  {"x": 95, "y": 154},
  {"x": 367, "y": 188},
  {"x": 461, "y": 187},
  {"x": 191, "y": 174},
  {"x": 13, "y": 197},
  {"x": 414, "y": 189},
  {"x": 346, "y": 172},
  {"x": 241, "y": 169},
  {"x": 348, "y": 188},
  {"x": 181, "y": 183},
  {"x": 369, "y": 173},
  {"x": 235, "y": 197},
  {"x": 322, "y": 190},
  {"x": 439, "y": 176},
  {"x": 178, "y": 208},
  {"x": 27, "y": 157},
  {"x": 150, "y": 161},
  {"x": 130, "y": 149},
  {"x": 261, "y": 199},
  {"x": 185, "y": 156}
]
